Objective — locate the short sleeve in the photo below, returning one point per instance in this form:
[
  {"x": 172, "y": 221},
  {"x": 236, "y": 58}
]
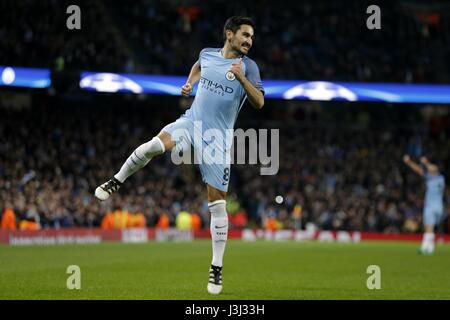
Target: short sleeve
[
  {"x": 200, "y": 57},
  {"x": 252, "y": 74}
]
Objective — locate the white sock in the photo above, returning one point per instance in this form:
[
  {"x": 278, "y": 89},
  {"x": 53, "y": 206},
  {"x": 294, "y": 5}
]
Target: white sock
[
  {"x": 219, "y": 230},
  {"x": 139, "y": 158},
  {"x": 423, "y": 246},
  {"x": 428, "y": 238}
]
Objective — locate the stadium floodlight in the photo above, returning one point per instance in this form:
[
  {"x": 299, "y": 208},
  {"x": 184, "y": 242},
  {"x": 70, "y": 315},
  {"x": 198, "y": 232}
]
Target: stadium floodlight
[
  {"x": 24, "y": 77},
  {"x": 320, "y": 90},
  {"x": 110, "y": 82}
]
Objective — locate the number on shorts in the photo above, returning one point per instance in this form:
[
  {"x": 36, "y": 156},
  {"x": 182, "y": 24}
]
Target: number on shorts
[{"x": 226, "y": 174}]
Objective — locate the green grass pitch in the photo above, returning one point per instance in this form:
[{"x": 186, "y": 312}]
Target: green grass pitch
[{"x": 252, "y": 270}]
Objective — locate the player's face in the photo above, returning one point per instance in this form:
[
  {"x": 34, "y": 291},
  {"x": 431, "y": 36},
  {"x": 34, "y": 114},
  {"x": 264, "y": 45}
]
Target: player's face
[
  {"x": 433, "y": 169},
  {"x": 242, "y": 40}
]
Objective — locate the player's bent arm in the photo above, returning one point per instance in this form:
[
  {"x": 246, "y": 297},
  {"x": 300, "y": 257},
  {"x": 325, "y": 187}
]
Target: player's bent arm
[
  {"x": 255, "y": 96},
  {"x": 194, "y": 75},
  {"x": 415, "y": 167}
]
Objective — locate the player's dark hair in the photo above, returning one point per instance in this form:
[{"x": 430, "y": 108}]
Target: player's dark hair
[{"x": 234, "y": 23}]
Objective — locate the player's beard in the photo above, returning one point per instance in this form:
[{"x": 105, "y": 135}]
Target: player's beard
[
  {"x": 237, "y": 48},
  {"x": 248, "y": 49}
]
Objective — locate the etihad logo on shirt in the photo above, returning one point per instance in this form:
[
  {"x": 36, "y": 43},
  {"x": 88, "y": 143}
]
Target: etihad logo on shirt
[{"x": 215, "y": 87}]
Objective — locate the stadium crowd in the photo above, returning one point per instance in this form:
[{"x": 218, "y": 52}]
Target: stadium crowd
[
  {"x": 294, "y": 40},
  {"x": 339, "y": 172},
  {"x": 35, "y": 34}
]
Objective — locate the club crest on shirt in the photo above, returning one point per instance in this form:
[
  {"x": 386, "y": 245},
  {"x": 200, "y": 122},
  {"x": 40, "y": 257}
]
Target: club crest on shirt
[{"x": 230, "y": 76}]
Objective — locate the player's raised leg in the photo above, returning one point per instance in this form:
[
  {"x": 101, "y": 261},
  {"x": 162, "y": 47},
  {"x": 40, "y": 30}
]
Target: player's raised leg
[
  {"x": 219, "y": 235},
  {"x": 138, "y": 159}
]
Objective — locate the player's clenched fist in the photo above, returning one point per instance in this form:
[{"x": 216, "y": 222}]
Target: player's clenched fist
[
  {"x": 186, "y": 89},
  {"x": 236, "y": 69},
  {"x": 406, "y": 158}
]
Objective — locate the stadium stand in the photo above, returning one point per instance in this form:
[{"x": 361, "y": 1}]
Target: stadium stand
[
  {"x": 344, "y": 169},
  {"x": 296, "y": 40}
]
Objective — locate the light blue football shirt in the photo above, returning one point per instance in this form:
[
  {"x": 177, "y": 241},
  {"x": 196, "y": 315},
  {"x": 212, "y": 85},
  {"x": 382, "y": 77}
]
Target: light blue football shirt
[
  {"x": 220, "y": 95},
  {"x": 435, "y": 190}
]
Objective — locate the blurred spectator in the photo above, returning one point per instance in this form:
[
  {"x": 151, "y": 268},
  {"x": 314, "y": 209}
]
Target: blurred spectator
[
  {"x": 272, "y": 224},
  {"x": 137, "y": 220},
  {"x": 296, "y": 216},
  {"x": 163, "y": 222},
  {"x": 26, "y": 225},
  {"x": 8, "y": 221},
  {"x": 184, "y": 221},
  {"x": 238, "y": 220},
  {"x": 196, "y": 221},
  {"x": 108, "y": 221}
]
